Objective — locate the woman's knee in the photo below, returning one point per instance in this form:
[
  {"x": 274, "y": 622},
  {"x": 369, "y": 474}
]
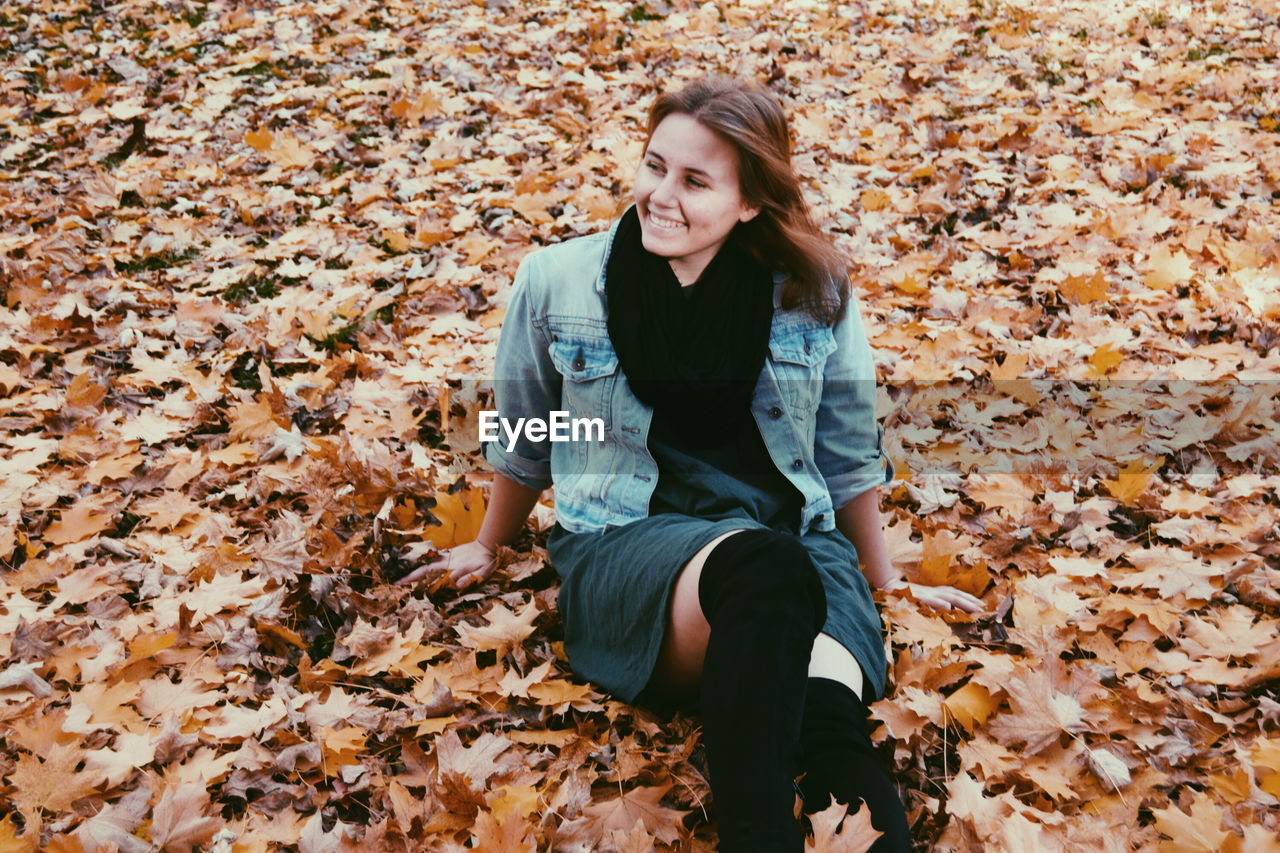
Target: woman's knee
[{"x": 765, "y": 564}]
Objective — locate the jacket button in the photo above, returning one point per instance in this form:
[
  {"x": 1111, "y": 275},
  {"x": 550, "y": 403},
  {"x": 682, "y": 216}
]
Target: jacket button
[
  {"x": 775, "y": 412},
  {"x": 578, "y": 363},
  {"x": 797, "y": 464}
]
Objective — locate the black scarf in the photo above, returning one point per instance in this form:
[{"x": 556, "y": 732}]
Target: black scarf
[{"x": 694, "y": 360}]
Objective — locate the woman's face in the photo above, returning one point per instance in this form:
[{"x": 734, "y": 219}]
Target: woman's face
[{"x": 687, "y": 195}]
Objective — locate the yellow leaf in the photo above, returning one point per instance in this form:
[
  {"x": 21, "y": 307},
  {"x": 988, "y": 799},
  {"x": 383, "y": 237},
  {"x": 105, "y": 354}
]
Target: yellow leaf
[
  {"x": 1132, "y": 480},
  {"x": 875, "y": 199},
  {"x": 341, "y": 746},
  {"x": 11, "y": 842},
  {"x": 521, "y": 799},
  {"x": 180, "y": 820},
  {"x": 396, "y": 240},
  {"x": 971, "y": 705},
  {"x": 460, "y": 516},
  {"x": 911, "y": 285},
  {"x": 533, "y": 207},
  {"x": 234, "y": 454},
  {"x": 144, "y": 646},
  {"x": 1083, "y": 289},
  {"x": 556, "y": 691},
  {"x": 112, "y": 467},
  {"x": 1104, "y": 360},
  {"x": 259, "y": 140},
  {"x": 1266, "y": 765}
]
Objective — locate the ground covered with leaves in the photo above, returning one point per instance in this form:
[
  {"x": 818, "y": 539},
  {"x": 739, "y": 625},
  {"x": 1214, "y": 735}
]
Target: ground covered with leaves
[{"x": 247, "y": 248}]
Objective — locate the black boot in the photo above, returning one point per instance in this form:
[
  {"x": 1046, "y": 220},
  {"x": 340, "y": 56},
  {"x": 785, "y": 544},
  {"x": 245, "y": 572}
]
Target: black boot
[
  {"x": 839, "y": 759},
  {"x": 764, "y": 601}
]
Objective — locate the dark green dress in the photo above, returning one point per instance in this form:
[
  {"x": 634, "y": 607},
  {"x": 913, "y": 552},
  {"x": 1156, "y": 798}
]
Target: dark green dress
[{"x": 615, "y": 589}]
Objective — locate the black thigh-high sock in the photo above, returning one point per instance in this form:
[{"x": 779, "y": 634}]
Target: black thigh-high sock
[
  {"x": 839, "y": 759},
  {"x": 763, "y": 598}
]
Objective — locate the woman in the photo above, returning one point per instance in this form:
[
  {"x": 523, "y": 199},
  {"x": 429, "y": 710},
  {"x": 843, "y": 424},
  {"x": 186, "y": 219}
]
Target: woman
[{"x": 709, "y": 545}]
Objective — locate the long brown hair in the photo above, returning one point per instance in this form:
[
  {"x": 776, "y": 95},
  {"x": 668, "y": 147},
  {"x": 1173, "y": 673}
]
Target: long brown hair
[{"x": 782, "y": 236}]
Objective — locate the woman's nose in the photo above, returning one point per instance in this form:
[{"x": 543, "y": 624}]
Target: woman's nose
[{"x": 664, "y": 191}]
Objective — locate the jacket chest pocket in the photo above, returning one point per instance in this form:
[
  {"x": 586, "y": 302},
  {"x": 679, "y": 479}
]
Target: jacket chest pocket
[
  {"x": 798, "y": 356},
  {"x": 589, "y": 367}
]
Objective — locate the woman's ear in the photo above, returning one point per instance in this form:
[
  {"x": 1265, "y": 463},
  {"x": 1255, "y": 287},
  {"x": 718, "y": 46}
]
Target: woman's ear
[{"x": 748, "y": 214}]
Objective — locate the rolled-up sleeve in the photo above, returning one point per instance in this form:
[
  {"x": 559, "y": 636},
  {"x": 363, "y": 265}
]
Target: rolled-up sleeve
[
  {"x": 525, "y": 384},
  {"x": 848, "y": 447}
]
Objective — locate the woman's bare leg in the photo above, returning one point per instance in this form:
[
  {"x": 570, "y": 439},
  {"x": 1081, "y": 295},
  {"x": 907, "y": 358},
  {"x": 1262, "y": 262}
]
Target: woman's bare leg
[
  {"x": 684, "y": 645},
  {"x": 831, "y": 660}
]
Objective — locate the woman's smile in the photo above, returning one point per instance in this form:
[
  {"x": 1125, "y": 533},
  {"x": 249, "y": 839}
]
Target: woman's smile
[{"x": 665, "y": 224}]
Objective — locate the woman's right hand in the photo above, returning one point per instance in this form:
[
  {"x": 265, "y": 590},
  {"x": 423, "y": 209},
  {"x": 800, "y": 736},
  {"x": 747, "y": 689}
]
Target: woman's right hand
[{"x": 464, "y": 564}]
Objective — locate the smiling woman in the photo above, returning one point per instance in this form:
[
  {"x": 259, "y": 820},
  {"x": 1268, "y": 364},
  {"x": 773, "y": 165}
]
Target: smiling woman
[{"x": 709, "y": 545}]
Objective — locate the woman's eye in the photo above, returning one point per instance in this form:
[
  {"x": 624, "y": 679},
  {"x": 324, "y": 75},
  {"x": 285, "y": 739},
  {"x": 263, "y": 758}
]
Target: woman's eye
[
  {"x": 695, "y": 182},
  {"x": 654, "y": 167}
]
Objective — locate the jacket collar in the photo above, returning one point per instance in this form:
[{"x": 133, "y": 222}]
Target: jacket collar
[{"x": 778, "y": 277}]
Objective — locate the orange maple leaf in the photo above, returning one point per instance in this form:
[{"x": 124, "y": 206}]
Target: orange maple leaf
[
  {"x": 1198, "y": 832},
  {"x": 639, "y": 804},
  {"x": 1040, "y": 714},
  {"x": 506, "y": 628},
  {"x": 511, "y": 834},
  {"x": 259, "y": 140},
  {"x": 79, "y": 522},
  {"x": 52, "y": 784},
  {"x": 1085, "y": 289}
]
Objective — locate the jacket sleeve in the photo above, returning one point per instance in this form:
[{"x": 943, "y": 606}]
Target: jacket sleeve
[
  {"x": 526, "y": 383},
  {"x": 847, "y": 439}
]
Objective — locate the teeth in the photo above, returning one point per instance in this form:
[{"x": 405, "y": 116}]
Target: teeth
[{"x": 665, "y": 224}]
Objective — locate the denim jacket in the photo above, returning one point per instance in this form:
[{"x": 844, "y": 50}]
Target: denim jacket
[{"x": 814, "y": 401}]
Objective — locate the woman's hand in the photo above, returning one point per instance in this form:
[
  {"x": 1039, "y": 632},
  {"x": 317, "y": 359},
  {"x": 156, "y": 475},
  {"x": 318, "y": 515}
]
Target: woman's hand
[
  {"x": 941, "y": 597},
  {"x": 464, "y": 565}
]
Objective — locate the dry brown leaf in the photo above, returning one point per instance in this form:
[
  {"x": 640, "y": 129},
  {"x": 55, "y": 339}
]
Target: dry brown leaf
[{"x": 835, "y": 830}]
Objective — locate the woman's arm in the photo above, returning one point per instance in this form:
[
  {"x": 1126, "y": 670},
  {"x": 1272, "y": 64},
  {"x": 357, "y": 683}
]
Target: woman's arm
[
  {"x": 509, "y": 506},
  {"x": 859, "y": 520}
]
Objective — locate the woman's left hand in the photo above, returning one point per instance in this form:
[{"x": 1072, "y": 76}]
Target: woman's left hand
[{"x": 941, "y": 597}]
